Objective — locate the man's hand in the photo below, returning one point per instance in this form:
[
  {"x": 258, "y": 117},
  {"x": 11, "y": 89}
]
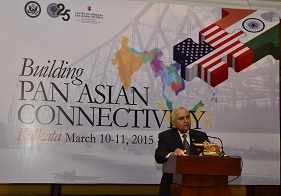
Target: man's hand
[
  {"x": 214, "y": 148},
  {"x": 179, "y": 152}
]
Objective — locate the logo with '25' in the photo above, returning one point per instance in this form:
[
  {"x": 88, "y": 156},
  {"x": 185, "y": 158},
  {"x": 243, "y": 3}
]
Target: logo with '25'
[{"x": 55, "y": 10}]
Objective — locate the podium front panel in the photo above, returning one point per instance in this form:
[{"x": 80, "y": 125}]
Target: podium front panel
[{"x": 203, "y": 165}]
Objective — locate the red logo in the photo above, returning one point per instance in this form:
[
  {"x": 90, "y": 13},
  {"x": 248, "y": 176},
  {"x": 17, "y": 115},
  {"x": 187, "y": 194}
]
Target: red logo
[{"x": 89, "y": 8}]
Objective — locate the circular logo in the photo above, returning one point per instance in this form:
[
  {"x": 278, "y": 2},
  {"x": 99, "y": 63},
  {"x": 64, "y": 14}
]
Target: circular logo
[
  {"x": 32, "y": 9},
  {"x": 52, "y": 10},
  {"x": 253, "y": 25}
]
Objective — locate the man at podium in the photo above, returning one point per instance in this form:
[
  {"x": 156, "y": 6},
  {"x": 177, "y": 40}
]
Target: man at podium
[{"x": 178, "y": 141}]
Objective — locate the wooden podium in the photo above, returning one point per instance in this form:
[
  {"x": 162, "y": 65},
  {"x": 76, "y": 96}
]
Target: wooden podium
[{"x": 201, "y": 175}]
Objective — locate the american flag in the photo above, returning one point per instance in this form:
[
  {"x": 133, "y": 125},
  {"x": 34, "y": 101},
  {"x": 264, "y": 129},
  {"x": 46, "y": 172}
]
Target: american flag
[{"x": 221, "y": 47}]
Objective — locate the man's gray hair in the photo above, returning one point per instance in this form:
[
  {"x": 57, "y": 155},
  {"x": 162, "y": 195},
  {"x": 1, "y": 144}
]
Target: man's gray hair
[{"x": 172, "y": 118}]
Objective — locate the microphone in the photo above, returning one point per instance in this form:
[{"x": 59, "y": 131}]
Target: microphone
[{"x": 204, "y": 135}]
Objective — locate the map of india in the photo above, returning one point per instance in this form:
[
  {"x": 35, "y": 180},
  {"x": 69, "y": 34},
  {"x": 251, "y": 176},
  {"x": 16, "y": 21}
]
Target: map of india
[{"x": 128, "y": 61}]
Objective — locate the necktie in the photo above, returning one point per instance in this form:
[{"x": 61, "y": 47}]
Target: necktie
[{"x": 186, "y": 144}]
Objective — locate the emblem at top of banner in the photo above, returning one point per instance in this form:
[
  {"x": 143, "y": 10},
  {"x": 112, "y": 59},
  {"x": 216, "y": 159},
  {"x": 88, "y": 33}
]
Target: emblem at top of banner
[
  {"x": 32, "y": 9},
  {"x": 55, "y": 10}
]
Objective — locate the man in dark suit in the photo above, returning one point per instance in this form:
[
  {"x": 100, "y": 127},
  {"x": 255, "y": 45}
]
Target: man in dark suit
[{"x": 171, "y": 142}]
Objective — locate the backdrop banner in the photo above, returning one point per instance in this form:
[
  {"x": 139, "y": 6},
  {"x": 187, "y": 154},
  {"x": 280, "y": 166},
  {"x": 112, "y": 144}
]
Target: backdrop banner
[{"x": 87, "y": 86}]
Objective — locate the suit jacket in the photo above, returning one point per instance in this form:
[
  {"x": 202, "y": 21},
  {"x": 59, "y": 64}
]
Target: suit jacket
[{"x": 168, "y": 142}]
